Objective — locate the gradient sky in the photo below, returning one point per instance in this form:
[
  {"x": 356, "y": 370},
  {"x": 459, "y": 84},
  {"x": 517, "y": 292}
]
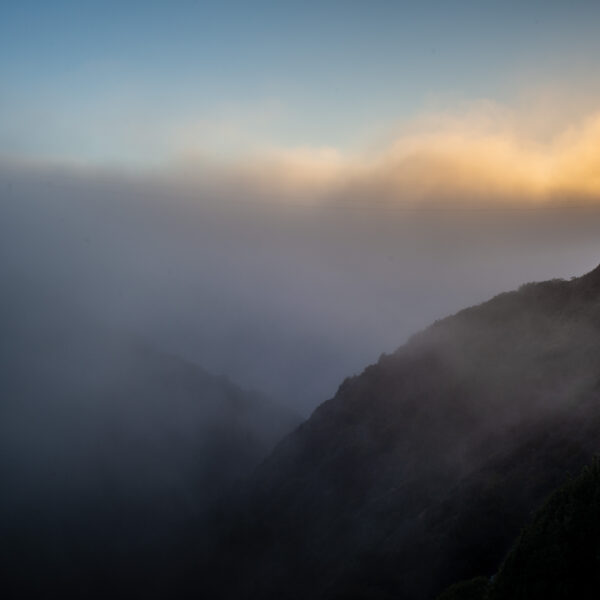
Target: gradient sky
[{"x": 145, "y": 82}]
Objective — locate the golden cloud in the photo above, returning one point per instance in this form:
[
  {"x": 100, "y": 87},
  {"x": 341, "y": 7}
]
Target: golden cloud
[{"x": 484, "y": 154}]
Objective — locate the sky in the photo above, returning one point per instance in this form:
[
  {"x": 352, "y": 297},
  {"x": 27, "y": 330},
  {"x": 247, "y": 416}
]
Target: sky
[
  {"x": 283, "y": 191},
  {"x": 145, "y": 83}
]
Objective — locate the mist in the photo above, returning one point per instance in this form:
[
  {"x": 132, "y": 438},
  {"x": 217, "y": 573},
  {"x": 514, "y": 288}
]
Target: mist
[
  {"x": 163, "y": 331},
  {"x": 284, "y": 294}
]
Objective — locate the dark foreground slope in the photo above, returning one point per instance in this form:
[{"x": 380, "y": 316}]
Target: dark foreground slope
[
  {"x": 422, "y": 470},
  {"x": 110, "y": 455},
  {"x": 556, "y": 557}
]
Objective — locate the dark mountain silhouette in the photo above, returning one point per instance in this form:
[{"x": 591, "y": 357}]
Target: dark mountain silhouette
[
  {"x": 556, "y": 556},
  {"x": 422, "y": 470},
  {"x": 111, "y": 454}
]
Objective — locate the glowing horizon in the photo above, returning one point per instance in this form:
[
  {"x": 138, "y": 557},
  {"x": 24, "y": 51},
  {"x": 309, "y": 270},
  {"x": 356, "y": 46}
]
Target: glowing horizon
[{"x": 314, "y": 90}]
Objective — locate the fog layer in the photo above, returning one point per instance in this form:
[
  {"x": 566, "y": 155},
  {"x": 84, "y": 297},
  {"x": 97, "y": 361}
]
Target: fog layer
[{"x": 284, "y": 294}]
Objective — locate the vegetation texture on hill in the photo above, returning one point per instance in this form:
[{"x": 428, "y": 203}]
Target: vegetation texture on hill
[{"x": 556, "y": 557}]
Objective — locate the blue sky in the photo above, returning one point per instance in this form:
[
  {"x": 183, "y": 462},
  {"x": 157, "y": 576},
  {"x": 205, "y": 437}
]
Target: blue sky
[{"x": 139, "y": 82}]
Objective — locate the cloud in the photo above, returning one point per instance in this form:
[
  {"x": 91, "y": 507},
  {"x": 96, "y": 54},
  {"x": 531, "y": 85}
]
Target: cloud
[
  {"x": 251, "y": 273},
  {"x": 484, "y": 153},
  {"x": 243, "y": 266},
  {"x": 481, "y": 152}
]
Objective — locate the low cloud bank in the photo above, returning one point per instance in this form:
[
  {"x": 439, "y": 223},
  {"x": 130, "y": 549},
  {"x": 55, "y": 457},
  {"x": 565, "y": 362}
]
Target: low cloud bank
[
  {"x": 484, "y": 154},
  {"x": 296, "y": 269}
]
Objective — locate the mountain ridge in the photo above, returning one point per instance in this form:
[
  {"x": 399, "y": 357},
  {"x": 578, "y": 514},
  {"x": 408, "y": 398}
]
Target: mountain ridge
[{"x": 370, "y": 475}]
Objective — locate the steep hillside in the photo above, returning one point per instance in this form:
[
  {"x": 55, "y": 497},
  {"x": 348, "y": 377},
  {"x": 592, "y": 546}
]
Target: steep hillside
[
  {"x": 422, "y": 470},
  {"x": 557, "y": 554}
]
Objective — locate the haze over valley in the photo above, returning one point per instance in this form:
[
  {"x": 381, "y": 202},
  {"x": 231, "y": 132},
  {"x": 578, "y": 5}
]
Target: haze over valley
[{"x": 299, "y": 300}]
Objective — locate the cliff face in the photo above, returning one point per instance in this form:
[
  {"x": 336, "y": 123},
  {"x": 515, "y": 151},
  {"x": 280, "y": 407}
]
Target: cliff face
[{"x": 422, "y": 470}]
